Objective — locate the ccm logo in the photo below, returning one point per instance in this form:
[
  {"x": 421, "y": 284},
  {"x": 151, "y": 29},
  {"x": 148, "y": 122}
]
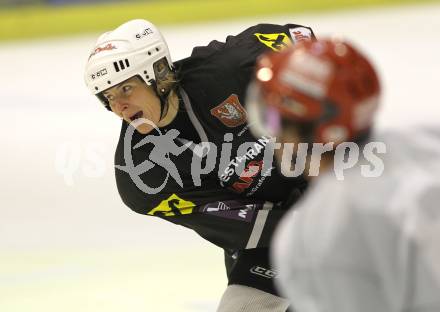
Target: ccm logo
[
  {"x": 102, "y": 72},
  {"x": 267, "y": 273}
]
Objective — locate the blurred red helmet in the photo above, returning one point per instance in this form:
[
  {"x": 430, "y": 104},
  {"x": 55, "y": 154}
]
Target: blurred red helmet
[{"x": 327, "y": 83}]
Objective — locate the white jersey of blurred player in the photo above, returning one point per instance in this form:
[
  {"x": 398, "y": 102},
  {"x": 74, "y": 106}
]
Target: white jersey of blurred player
[{"x": 368, "y": 244}]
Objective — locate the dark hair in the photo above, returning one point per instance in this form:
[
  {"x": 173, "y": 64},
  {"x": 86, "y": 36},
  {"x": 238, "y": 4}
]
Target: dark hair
[{"x": 165, "y": 76}]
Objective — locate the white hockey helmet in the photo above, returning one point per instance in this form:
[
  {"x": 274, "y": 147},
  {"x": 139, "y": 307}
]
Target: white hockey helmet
[{"x": 129, "y": 50}]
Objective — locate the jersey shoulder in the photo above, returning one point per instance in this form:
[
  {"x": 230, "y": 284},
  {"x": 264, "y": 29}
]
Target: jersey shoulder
[
  {"x": 264, "y": 37},
  {"x": 220, "y": 70}
]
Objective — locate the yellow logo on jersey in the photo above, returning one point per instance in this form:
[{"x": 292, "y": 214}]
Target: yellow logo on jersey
[
  {"x": 276, "y": 42},
  {"x": 173, "y": 206}
]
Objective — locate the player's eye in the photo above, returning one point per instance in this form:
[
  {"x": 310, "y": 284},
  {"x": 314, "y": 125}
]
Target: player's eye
[
  {"x": 127, "y": 89},
  {"x": 109, "y": 97}
]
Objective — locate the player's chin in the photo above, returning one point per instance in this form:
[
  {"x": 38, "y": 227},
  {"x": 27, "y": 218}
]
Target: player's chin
[
  {"x": 143, "y": 125},
  {"x": 144, "y": 128}
]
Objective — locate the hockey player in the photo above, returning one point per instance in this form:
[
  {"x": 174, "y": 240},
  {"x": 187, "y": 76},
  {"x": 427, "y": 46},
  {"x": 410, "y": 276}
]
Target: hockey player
[
  {"x": 185, "y": 153},
  {"x": 368, "y": 241}
]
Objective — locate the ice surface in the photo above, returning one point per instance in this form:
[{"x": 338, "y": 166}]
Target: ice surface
[{"x": 67, "y": 243}]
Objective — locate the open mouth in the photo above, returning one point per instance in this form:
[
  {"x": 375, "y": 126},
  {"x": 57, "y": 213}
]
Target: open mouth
[{"x": 136, "y": 116}]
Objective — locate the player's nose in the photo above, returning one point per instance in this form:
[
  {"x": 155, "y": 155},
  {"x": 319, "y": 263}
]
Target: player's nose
[{"x": 120, "y": 105}]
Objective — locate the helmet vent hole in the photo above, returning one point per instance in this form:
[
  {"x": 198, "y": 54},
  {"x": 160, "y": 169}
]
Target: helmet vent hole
[
  {"x": 148, "y": 77},
  {"x": 96, "y": 88},
  {"x": 157, "y": 49},
  {"x": 149, "y": 52},
  {"x": 121, "y": 63},
  {"x": 115, "y": 64},
  {"x": 109, "y": 82},
  {"x": 145, "y": 72},
  {"x": 127, "y": 64}
]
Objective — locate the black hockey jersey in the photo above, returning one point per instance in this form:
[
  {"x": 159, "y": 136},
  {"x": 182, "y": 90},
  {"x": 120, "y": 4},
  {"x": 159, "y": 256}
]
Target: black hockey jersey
[{"x": 205, "y": 170}]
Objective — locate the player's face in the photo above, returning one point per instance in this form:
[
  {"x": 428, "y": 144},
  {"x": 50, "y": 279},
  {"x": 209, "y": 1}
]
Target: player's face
[{"x": 133, "y": 99}]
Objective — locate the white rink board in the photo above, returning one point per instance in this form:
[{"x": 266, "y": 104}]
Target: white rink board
[{"x": 67, "y": 243}]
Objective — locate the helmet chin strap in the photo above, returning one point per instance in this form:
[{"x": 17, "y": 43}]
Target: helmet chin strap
[{"x": 163, "y": 96}]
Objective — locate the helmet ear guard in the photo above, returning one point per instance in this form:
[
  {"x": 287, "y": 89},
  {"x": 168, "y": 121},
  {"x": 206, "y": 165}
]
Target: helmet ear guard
[
  {"x": 162, "y": 70},
  {"x": 164, "y": 83}
]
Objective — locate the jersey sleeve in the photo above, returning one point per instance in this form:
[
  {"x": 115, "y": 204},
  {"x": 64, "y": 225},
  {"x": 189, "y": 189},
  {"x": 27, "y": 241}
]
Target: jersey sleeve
[
  {"x": 341, "y": 255},
  {"x": 324, "y": 262}
]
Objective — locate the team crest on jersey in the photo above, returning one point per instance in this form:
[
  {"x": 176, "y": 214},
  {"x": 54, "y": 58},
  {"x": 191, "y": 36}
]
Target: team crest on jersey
[
  {"x": 230, "y": 112},
  {"x": 276, "y": 42}
]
